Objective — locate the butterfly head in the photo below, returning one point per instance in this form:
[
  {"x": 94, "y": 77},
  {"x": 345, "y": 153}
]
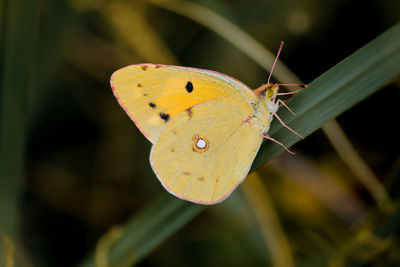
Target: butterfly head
[{"x": 267, "y": 91}]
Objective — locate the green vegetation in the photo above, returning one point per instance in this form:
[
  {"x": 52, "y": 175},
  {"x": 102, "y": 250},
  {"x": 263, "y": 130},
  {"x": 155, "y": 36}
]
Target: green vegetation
[{"x": 76, "y": 188}]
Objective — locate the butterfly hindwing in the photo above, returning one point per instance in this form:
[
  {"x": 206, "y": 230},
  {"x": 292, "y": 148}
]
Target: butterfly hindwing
[
  {"x": 204, "y": 153},
  {"x": 154, "y": 94}
]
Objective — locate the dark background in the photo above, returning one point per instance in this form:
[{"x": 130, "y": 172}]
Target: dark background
[{"x": 86, "y": 164}]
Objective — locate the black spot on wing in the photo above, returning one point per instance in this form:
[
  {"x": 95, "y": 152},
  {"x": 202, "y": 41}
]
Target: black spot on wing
[
  {"x": 189, "y": 87},
  {"x": 144, "y": 67},
  {"x": 152, "y": 105},
  {"x": 164, "y": 116}
]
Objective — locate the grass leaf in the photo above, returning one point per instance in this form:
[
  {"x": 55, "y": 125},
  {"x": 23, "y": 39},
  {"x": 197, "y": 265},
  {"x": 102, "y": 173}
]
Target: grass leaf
[
  {"x": 18, "y": 45},
  {"x": 163, "y": 217},
  {"x": 340, "y": 88}
]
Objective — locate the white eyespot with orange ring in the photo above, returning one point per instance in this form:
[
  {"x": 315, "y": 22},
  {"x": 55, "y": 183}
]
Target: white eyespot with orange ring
[{"x": 200, "y": 144}]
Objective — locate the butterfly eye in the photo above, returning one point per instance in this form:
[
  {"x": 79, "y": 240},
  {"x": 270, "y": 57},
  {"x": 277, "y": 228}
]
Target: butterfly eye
[{"x": 270, "y": 92}]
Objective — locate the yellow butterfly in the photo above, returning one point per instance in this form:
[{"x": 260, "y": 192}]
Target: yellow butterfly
[{"x": 206, "y": 127}]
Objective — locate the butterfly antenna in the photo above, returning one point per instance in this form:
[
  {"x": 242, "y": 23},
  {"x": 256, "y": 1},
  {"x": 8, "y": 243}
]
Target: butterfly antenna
[
  {"x": 276, "y": 59},
  {"x": 294, "y": 84},
  {"x": 273, "y": 67}
]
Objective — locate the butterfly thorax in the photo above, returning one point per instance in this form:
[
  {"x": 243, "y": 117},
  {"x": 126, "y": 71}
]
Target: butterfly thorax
[{"x": 265, "y": 106}]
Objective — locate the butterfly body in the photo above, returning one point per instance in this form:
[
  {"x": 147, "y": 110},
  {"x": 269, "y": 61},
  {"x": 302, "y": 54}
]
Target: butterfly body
[{"x": 206, "y": 127}]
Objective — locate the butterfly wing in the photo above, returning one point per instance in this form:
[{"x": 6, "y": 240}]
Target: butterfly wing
[
  {"x": 154, "y": 94},
  {"x": 203, "y": 154}
]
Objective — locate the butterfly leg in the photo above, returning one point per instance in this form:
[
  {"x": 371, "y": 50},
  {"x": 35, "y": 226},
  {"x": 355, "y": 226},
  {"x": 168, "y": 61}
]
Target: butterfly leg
[
  {"x": 287, "y": 127},
  {"x": 279, "y": 143},
  {"x": 286, "y": 106}
]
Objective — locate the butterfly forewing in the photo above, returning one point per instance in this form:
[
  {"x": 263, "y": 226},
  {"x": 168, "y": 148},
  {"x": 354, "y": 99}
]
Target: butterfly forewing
[{"x": 154, "y": 94}]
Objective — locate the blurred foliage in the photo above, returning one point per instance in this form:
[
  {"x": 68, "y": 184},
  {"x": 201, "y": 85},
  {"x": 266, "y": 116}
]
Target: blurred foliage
[{"x": 75, "y": 176}]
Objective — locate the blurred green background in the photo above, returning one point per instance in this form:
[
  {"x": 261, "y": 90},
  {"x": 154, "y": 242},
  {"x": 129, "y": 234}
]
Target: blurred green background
[{"x": 73, "y": 165}]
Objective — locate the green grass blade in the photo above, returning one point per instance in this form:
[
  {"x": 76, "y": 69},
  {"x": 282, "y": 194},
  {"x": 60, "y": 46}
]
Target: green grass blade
[
  {"x": 18, "y": 53},
  {"x": 257, "y": 52},
  {"x": 232, "y": 33},
  {"x": 340, "y": 88},
  {"x": 335, "y": 91},
  {"x": 146, "y": 231}
]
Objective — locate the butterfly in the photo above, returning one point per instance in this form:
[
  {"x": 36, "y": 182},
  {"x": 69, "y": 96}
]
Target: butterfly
[{"x": 206, "y": 127}]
